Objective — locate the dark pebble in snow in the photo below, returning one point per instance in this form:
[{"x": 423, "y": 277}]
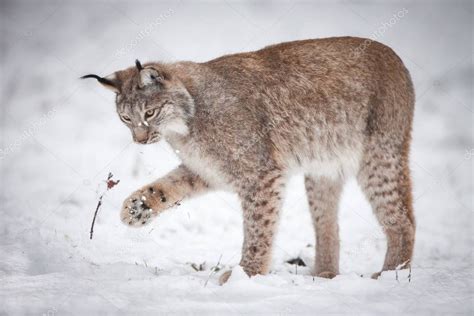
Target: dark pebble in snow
[{"x": 298, "y": 261}]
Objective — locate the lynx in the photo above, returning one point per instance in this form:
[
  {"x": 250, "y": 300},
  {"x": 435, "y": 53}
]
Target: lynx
[{"x": 246, "y": 122}]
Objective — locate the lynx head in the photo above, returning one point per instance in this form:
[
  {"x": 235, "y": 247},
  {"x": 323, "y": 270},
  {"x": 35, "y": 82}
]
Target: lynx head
[{"x": 150, "y": 101}]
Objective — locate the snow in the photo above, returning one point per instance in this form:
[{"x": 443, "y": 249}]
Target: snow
[{"x": 61, "y": 136}]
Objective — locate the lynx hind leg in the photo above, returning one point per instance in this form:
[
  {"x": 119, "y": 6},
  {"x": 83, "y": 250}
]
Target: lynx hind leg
[
  {"x": 323, "y": 197},
  {"x": 385, "y": 179}
]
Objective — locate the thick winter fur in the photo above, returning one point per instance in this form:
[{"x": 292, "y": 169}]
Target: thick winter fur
[{"x": 246, "y": 122}]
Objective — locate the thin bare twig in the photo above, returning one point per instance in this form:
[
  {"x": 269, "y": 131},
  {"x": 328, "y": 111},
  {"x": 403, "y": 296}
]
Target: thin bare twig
[{"x": 110, "y": 184}]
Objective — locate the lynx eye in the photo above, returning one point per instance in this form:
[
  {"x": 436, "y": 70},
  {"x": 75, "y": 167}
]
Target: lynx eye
[
  {"x": 125, "y": 118},
  {"x": 150, "y": 113}
]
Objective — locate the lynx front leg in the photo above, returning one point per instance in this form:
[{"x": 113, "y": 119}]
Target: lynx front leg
[
  {"x": 261, "y": 204},
  {"x": 148, "y": 202}
]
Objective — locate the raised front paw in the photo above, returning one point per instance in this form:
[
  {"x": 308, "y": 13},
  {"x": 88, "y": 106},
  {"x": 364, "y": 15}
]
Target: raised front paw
[{"x": 142, "y": 206}]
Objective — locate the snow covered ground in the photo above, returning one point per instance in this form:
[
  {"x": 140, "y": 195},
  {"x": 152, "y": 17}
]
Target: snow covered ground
[{"x": 60, "y": 137}]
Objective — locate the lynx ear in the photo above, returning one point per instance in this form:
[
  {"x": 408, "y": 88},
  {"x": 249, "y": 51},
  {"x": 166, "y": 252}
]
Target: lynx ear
[
  {"x": 110, "y": 82},
  {"x": 150, "y": 76}
]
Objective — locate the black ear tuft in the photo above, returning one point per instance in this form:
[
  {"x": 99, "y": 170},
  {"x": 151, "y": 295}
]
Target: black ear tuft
[
  {"x": 138, "y": 64},
  {"x": 91, "y": 76},
  {"x": 100, "y": 79},
  {"x": 109, "y": 82}
]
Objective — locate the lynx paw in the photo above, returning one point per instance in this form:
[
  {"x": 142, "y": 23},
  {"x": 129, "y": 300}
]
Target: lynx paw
[
  {"x": 326, "y": 274},
  {"x": 136, "y": 211},
  {"x": 140, "y": 207}
]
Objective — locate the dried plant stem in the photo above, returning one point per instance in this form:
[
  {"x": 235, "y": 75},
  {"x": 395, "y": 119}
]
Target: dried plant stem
[
  {"x": 95, "y": 215},
  {"x": 110, "y": 184}
]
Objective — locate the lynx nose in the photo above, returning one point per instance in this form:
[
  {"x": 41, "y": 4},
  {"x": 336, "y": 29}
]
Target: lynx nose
[{"x": 140, "y": 134}]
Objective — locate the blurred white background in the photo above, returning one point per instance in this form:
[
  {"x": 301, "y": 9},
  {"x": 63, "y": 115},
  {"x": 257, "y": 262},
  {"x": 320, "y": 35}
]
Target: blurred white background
[{"x": 60, "y": 137}]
